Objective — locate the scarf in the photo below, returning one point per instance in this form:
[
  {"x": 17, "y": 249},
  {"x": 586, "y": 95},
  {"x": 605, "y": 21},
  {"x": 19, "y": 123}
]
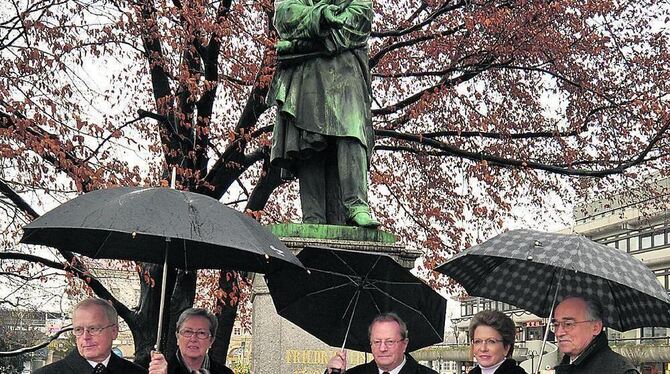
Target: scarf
[{"x": 204, "y": 369}]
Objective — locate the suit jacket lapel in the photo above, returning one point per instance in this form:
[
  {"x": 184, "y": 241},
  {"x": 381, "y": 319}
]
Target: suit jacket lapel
[
  {"x": 115, "y": 364},
  {"x": 409, "y": 367},
  {"x": 77, "y": 363}
]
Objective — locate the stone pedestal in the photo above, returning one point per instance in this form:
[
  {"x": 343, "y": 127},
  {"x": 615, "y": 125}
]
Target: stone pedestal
[{"x": 278, "y": 345}]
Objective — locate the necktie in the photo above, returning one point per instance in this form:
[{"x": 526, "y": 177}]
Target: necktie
[{"x": 100, "y": 369}]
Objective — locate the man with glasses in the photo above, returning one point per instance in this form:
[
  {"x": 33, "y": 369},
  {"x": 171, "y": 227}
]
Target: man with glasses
[
  {"x": 388, "y": 341},
  {"x": 578, "y": 328},
  {"x": 95, "y": 324}
]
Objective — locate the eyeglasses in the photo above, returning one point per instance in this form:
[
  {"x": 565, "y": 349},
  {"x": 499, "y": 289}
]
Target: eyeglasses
[
  {"x": 480, "y": 342},
  {"x": 387, "y": 343},
  {"x": 566, "y": 325},
  {"x": 93, "y": 330},
  {"x": 188, "y": 334}
]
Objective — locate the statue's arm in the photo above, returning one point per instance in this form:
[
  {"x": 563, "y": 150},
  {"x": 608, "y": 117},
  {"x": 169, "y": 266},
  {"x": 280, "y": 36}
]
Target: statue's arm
[
  {"x": 297, "y": 19},
  {"x": 356, "y": 24}
]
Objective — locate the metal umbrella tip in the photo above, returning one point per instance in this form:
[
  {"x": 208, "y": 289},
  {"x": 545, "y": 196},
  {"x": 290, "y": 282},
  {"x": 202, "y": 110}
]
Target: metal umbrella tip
[
  {"x": 134, "y": 234},
  {"x": 538, "y": 243},
  {"x": 309, "y": 272},
  {"x": 529, "y": 258},
  {"x": 267, "y": 257}
]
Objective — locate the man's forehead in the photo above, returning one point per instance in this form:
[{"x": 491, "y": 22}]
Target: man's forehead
[
  {"x": 89, "y": 312},
  {"x": 572, "y": 307},
  {"x": 383, "y": 328}
]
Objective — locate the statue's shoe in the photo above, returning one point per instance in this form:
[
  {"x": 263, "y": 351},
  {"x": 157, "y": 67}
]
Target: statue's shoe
[{"x": 363, "y": 219}]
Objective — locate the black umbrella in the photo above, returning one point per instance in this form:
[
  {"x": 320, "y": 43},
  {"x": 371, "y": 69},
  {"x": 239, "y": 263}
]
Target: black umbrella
[
  {"x": 161, "y": 225},
  {"x": 533, "y": 269},
  {"x": 347, "y": 289}
]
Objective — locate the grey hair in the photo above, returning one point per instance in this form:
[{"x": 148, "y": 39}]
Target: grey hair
[
  {"x": 110, "y": 312},
  {"x": 498, "y": 321},
  {"x": 390, "y": 317},
  {"x": 198, "y": 312},
  {"x": 594, "y": 309}
]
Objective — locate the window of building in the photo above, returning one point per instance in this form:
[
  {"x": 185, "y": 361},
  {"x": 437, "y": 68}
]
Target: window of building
[
  {"x": 645, "y": 241},
  {"x": 659, "y": 238},
  {"x": 622, "y": 244},
  {"x": 663, "y": 276},
  {"x": 652, "y": 332},
  {"x": 633, "y": 243},
  {"x": 663, "y": 280},
  {"x": 613, "y": 335}
]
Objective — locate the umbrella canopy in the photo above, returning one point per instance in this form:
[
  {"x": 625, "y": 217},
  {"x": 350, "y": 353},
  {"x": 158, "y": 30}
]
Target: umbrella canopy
[
  {"x": 135, "y": 223},
  {"x": 347, "y": 289},
  {"x": 530, "y": 269}
]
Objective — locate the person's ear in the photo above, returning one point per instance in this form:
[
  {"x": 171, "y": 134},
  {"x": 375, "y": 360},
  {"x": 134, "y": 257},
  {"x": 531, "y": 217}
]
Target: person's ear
[{"x": 597, "y": 327}]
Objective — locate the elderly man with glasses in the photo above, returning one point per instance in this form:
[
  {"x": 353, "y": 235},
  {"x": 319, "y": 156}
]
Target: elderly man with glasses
[
  {"x": 578, "y": 328},
  {"x": 95, "y": 324},
  {"x": 388, "y": 341}
]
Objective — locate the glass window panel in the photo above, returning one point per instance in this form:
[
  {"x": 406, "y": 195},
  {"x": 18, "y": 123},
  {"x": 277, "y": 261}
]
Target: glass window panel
[
  {"x": 622, "y": 245},
  {"x": 659, "y": 239},
  {"x": 645, "y": 241},
  {"x": 611, "y": 244},
  {"x": 633, "y": 244},
  {"x": 661, "y": 280}
]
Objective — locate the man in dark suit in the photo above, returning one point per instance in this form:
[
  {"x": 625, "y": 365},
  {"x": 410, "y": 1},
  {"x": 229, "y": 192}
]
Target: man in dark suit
[
  {"x": 388, "y": 342},
  {"x": 96, "y": 324}
]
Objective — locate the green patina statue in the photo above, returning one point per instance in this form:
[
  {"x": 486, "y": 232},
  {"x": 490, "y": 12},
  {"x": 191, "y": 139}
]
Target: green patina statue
[{"x": 323, "y": 133}]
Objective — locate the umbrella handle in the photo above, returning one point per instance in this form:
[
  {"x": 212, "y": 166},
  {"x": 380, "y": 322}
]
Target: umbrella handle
[{"x": 335, "y": 371}]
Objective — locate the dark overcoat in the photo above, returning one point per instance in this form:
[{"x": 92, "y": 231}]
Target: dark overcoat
[
  {"x": 74, "y": 363},
  {"x": 174, "y": 367},
  {"x": 508, "y": 366},
  {"x": 597, "y": 358},
  {"x": 411, "y": 367}
]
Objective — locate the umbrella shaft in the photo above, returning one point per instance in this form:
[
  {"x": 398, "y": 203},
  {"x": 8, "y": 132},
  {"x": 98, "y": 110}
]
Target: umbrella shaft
[{"x": 160, "y": 308}]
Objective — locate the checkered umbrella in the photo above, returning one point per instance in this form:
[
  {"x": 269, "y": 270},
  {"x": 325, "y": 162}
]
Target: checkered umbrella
[{"x": 525, "y": 267}]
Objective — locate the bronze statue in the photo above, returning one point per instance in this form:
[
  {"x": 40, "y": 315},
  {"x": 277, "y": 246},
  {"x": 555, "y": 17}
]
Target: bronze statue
[{"x": 324, "y": 130}]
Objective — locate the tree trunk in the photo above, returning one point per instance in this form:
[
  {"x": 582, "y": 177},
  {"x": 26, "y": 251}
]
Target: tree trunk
[
  {"x": 148, "y": 312},
  {"x": 227, "y": 311}
]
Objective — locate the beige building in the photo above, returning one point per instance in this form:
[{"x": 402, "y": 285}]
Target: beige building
[
  {"x": 125, "y": 286},
  {"x": 637, "y": 223},
  {"x": 239, "y": 349}
]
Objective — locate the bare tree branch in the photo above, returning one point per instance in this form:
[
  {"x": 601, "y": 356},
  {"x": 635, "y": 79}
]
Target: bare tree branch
[{"x": 39, "y": 346}]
